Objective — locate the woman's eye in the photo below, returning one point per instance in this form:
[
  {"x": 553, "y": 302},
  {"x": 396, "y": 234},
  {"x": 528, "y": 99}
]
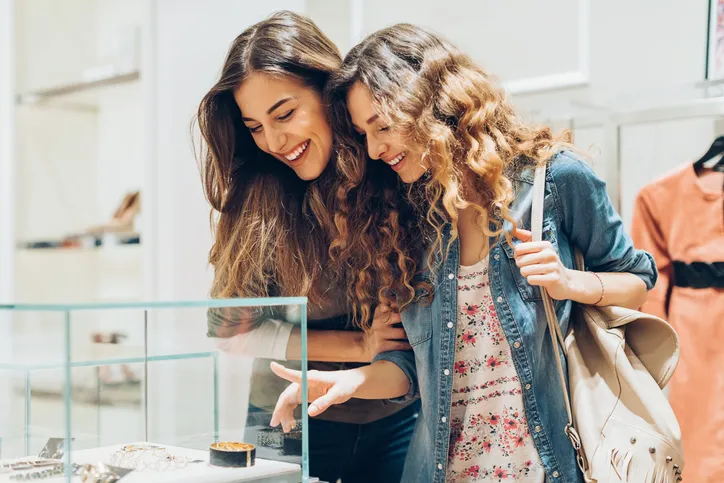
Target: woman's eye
[
  {"x": 286, "y": 116},
  {"x": 386, "y": 128},
  {"x": 255, "y": 129}
]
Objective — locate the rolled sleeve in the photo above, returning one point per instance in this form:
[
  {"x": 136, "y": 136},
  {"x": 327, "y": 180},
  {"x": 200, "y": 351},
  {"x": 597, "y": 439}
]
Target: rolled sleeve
[
  {"x": 249, "y": 331},
  {"x": 405, "y": 360},
  {"x": 593, "y": 225}
]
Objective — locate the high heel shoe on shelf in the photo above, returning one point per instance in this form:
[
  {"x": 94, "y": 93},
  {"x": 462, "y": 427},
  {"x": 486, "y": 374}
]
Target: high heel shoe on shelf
[
  {"x": 123, "y": 218},
  {"x": 120, "y": 229}
]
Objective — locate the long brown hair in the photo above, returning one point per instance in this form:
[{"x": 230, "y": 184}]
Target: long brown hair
[
  {"x": 270, "y": 237},
  {"x": 470, "y": 137}
]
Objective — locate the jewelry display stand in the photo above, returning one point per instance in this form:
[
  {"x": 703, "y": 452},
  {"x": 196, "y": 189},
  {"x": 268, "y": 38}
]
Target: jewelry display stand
[{"x": 190, "y": 395}]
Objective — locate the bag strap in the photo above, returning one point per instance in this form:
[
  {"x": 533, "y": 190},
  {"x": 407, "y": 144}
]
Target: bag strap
[{"x": 554, "y": 327}]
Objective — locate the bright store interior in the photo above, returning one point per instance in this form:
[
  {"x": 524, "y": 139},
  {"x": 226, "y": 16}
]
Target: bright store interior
[{"x": 101, "y": 199}]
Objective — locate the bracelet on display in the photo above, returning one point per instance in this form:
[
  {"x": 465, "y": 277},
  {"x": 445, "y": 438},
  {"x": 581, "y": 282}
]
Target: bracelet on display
[
  {"x": 57, "y": 470},
  {"x": 27, "y": 464},
  {"x": 270, "y": 438},
  {"x": 293, "y": 444},
  {"x": 232, "y": 454}
]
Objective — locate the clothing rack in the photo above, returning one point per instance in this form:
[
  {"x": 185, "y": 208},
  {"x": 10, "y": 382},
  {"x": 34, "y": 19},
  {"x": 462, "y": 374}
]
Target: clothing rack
[{"x": 614, "y": 121}]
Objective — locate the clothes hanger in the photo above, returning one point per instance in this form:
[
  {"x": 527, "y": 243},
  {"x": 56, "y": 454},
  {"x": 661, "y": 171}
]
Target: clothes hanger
[{"x": 716, "y": 149}]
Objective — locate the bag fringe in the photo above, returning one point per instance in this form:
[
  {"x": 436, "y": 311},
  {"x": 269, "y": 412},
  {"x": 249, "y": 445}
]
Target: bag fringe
[{"x": 637, "y": 467}]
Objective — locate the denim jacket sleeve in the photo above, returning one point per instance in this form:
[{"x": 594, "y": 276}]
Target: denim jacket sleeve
[
  {"x": 405, "y": 360},
  {"x": 592, "y": 224}
]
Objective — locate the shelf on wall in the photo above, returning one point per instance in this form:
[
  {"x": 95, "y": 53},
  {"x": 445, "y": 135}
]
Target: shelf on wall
[
  {"x": 82, "y": 92},
  {"x": 86, "y": 242}
]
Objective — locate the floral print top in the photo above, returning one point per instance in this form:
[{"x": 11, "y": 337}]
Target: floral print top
[{"x": 489, "y": 436}]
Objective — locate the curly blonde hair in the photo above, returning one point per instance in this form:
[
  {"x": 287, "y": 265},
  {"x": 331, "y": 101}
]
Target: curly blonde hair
[{"x": 471, "y": 140}]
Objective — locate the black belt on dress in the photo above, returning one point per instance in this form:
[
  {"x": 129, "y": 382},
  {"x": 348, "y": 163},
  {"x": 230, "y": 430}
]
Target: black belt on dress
[{"x": 699, "y": 274}]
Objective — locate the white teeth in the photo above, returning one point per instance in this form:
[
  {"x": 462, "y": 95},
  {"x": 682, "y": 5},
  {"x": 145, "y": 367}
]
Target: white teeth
[
  {"x": 399, "y": 158},
  {"x": 297, "y": 152}
]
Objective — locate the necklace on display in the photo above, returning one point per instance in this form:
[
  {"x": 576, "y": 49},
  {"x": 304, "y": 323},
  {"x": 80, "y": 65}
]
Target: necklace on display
[{"x": 148, "y": 457}]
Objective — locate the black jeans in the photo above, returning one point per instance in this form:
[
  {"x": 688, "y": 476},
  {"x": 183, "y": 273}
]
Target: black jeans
[{"x": 372, "y": 452}]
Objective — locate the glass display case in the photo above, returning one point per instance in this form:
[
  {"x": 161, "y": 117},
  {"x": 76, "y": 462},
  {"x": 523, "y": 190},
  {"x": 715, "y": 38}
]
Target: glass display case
[{"x": 146, "y": 392}]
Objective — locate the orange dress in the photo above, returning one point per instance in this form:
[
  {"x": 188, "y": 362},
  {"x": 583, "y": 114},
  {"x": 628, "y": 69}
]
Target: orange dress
[{"x": 679, "y": 219}]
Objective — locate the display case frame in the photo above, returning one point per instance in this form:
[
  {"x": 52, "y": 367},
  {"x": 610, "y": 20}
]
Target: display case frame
[{"x": 65, "y": 362}]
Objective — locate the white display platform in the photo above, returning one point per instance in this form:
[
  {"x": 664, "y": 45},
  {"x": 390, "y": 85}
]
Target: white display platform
[{"x": 265, "y": 471}]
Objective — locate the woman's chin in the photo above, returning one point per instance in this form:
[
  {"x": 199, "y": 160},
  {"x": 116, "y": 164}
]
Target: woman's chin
[{"x": 309, "y": 170}]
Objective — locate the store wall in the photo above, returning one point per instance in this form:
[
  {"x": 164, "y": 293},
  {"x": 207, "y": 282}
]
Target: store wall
[
  {"x": 633, "y": 54},
  {"x": 192, "y": 40},
  {"x": 7, "y": 214},
  {"x": 121, "y": 121}
]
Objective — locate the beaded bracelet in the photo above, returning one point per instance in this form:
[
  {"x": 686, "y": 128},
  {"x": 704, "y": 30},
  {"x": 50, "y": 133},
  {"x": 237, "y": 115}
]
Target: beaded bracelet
[{"x": 603, "y": 291}]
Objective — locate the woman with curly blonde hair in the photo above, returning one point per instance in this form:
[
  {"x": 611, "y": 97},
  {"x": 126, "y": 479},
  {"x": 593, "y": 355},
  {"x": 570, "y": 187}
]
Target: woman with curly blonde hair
[{"x": 482, "y": 361}]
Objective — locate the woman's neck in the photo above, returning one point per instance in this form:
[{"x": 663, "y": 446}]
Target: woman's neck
[{"x": 473, "y": 242}]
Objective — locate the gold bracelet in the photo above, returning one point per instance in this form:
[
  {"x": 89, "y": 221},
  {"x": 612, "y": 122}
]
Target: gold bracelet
[{"x": 232, "y": 454}]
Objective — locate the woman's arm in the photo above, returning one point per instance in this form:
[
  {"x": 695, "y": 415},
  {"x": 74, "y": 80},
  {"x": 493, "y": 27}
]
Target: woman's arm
[
  {"x": 622, "y": 289},
  {"x": 619, "y": 273},
  {"x": 256, "y": 333},
  {"x": 588, "y": 218},
  {"x": 541, "y": 265}
]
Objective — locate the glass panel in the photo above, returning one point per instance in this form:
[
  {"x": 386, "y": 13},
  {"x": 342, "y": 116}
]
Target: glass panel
[{"x": 148, "y": 387}]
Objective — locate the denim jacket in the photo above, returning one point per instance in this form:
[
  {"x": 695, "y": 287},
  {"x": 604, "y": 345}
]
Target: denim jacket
[{"x": 578, "y": 213}]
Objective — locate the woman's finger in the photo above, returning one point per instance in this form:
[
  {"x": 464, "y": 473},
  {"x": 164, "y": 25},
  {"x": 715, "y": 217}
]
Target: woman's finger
[
  {"x": 395, "y": 346},
  {"x": 531, "y": 247},
  {"x": 388, "y": 318},
  {"x": 523, "y": 235},
  {"x": 284, "y": 409},
  {"x": 394, "y": 334},
  {"x": 539, "y": 269},
  {"x": 289, "y": 374},
  {"x": 542, "y": 256}
]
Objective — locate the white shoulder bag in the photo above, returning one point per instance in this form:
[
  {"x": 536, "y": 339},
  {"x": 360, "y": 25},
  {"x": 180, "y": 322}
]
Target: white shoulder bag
[{"x": 619, "y": 420}]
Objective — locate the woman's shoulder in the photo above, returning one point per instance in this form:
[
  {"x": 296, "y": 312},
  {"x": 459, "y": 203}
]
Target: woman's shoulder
[
  {"x": 569, "y": 166},
  {"x": 563, "y": 167}
]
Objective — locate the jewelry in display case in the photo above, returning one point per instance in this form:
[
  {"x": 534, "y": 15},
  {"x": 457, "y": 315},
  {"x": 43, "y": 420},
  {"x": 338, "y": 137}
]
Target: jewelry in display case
[{"x": 232, "y": 454}]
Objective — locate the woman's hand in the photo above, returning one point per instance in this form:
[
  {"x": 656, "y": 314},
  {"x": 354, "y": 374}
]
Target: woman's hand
[
  {"x": 382, "y": 335},
  {"x": 540, "y": 264},
  {"x": 325, "y": 388}
]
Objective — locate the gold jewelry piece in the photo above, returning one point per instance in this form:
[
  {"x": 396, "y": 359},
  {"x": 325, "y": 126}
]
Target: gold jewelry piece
[
  {"x": 233, "y": 446},
  {"x": 232, "y": 454}
]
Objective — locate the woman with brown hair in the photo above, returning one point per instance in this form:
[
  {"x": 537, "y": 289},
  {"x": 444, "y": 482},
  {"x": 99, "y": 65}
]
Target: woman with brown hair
[
  {"x": 267, "y": 174},
  {"x": 483, "y": 362}
]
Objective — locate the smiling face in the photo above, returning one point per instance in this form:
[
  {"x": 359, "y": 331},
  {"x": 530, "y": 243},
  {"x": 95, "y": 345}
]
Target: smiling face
[
  {"x": 286, "y": 120},
  {"x": 382, "y": 142}
]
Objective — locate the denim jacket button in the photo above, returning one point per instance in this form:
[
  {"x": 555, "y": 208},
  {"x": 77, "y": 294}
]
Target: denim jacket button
[
  {"x": 449, "y": 325},
  {"x": 500, "y": 300},
  {"x": 451, "y": 276},
  {"x": 556, "y": 474},
  {"x": 443, "y": 419},
  {"x": 517, "y": 345},
  {"x": 527, "y": 387},
  {"x": 446, "y": 372},
  {"x": 439, "y": 466},
  {"x": 537, "y": 429}
]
